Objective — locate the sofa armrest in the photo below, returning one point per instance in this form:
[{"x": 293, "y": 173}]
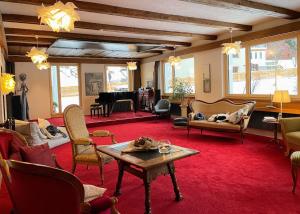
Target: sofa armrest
[
  {"x": 291, "y": 124},
  {"x": 244, "y": 122},
  {"x": 100, "y": 133}
]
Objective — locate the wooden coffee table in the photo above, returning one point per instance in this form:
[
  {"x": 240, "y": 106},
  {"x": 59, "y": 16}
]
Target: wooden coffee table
[{"x": 147, "y": 166}]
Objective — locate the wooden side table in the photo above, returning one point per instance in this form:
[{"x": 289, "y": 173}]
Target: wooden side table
[{"x": 275, "y": 124}]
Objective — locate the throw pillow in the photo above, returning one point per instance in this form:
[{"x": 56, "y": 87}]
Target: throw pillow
[
  {"x": 43, "y": 123},
  {"x": 92, "y": 192},
  {"x": 212, "y": 118},
  {"x": 199, "y": 116},
  {"x": 40, "y": 154},
  {"x": 236, "y": 116}
]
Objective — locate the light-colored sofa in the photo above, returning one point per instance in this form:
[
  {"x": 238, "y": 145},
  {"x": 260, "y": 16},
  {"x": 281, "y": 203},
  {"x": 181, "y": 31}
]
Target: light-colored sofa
[
  {"x": 290, "y": 128},
  {"x": 33, "y": 135},
  {"x": 218, "y": 107}
]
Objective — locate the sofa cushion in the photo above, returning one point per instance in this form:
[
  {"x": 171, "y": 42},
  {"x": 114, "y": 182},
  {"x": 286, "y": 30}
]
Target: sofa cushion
[
  {"x": 92, "y": 192},
  {"x": 5, "y": 141},
  {"x": 293, "y": 137},
  {"x": 40, "y": 154},
  {"x": 214, "y": 125}
]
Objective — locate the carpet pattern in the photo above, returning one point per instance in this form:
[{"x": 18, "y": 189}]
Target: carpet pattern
[{"x": 226, "y": 177}]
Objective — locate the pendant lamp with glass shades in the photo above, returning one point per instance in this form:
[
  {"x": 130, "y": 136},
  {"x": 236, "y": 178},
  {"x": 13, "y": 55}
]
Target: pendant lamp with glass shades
[{"x": 232, "y": 47}]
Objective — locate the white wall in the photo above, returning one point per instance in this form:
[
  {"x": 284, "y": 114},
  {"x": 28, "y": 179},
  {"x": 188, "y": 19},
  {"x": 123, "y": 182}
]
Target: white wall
[
  {"x": 147, "y": 70},
  {"x": 38, "y": 83}
]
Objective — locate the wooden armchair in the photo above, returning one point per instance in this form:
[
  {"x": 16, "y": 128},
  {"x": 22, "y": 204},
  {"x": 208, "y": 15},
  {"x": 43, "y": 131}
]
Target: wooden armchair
[
  {"x": 36, "y": 189},
  {"x": 83, "y": 149},
  {"x": 290, "y": 129}
]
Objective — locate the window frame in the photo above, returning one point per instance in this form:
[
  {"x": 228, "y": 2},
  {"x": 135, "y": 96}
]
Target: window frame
[
  {"x": 173, "y": 75},
  {"x": 57, "y": 65},
  {"x": 247, "y": 46}
]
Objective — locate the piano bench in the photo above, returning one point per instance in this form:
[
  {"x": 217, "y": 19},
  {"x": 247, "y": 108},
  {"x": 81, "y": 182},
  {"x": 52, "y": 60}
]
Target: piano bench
[{"x": 96, "y": 108}]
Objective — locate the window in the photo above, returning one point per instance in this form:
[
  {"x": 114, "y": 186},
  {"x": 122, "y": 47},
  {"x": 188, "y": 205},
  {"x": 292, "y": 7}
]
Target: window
[
  {"x": 117, "y": 78},
  {"x": 237, "y": 73},
  {"x": 64, "y": 87},
  {"x": 183, "y": 71},
  {"x": 271, "y": 65},
  {"x": 276, "y": 68}
]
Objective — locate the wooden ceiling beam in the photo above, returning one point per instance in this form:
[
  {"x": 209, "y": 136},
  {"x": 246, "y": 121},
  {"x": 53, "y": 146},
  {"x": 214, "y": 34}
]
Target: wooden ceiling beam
[
  {"x": 92, "y": 38},
  {"x": 61, "y": 59},
  {"x": 30, "y": 40},
  {"x": 140, "y": 14},
  {"x": 251, "y": 6},
  {"x": 96, "y": 26},
  {"x": 29, "y": 44}
]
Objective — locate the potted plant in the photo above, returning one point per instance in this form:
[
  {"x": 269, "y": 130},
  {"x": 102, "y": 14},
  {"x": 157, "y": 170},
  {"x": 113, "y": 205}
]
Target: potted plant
[{"x": 181, "y": 89}]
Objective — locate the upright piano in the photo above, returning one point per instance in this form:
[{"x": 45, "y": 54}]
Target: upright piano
[{"x": 108, "y": 99}]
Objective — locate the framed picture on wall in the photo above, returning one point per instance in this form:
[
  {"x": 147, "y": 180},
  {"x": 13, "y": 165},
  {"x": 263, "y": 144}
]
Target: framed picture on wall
[
  {"x": 206, "y": 78},
  {"x": 94, "y": 83}
]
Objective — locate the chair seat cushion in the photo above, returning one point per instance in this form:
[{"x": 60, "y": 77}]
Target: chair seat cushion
[
  {"x": 214, "y": 125},
  {"x": 40, "y": 154},
  {"x": 293, "y": 137},
  {"x": 89, "y": 155},
  {"x": 92, "y": 192}
]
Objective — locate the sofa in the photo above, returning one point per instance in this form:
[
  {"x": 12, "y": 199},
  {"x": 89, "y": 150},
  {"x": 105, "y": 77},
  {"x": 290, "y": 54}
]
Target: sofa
[
  {"x": 31, "y": 131},
  {"x": 290, "y": 129},
  {"x": 223, "y": 106}
]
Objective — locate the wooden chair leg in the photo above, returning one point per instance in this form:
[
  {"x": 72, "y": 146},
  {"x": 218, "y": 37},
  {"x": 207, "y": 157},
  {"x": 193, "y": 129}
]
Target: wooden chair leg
[
  {"x": 294, "y": 176},
  {"x": 73, "y": 167},
  {"x": 242, "y": 137},
  {"x": 101, "y": 173}
]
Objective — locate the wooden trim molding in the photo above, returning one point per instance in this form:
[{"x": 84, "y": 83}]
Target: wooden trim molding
[
  {"x": 139, "y": 14},
  {"x": 97, "y": 26}
]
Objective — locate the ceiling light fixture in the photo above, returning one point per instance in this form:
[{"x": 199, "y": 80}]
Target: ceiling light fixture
[
  {"x": 173, "y": 60},
  {"x": 7, "y": 83},
  {"x": 59, "y": 16},
  {"x": 232, "y": 47},
  {"x": 131, "y": 66},
  {"x": 43, "y": 66},
  {"x": 37, "y": 55}
]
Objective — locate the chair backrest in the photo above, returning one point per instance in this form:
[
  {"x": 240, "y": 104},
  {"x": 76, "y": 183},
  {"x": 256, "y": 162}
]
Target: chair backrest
[
  {"x": 163, "y": 104},
  {"x": 39, "y": 189},
  {"x": 75, "y": 122},
  {"x": 7, "y": 138}
]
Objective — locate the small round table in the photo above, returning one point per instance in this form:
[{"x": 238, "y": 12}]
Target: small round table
[{"x": 275, "y": 124}]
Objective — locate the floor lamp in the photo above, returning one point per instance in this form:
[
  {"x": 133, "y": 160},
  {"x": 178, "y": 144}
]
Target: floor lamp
[{"x": 281, "y": 96}]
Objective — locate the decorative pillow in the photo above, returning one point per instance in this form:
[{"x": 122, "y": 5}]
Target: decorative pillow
[
  {"x": 40, "y": 154},
  {"x": 236, "y": 116},
  {"x": 43, "y": 123},
  {"x": 221, "y": 117},
  {"x": 45, "y": 132},
  {"x": 92, "y": 192},
  {"x": 199, "y": 116},
  {"x": 212, "y": 118}
]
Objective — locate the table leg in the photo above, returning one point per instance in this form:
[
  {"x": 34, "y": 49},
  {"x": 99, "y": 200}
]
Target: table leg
[
  {"x": 120, "y": 177},
  {"x": 147, "y": 193},
  {"x": 171, "y": 169},
  {"x": 275, "y": 133}
]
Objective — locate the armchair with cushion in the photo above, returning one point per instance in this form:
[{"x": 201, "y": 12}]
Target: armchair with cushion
[
  {"x": 290, "y": 128},
  {"x": 84, "y": 150},
  {"x": 39, "y": 189},
  {"x": 162, "y": 107}
]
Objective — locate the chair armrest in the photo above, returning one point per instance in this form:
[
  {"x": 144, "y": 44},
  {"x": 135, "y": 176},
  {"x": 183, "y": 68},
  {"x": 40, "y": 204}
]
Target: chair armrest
[
  {"x": 100, "y": 133},
  {"x": 291, "y": 124},
  {"x": 83, "y": 141}
]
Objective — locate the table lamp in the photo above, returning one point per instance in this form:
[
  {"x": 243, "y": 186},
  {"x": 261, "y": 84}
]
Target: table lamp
[{"x": 281, "y": 96}]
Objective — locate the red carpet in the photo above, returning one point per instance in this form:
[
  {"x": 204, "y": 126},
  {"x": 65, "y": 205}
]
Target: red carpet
[
  {"x": 226, "y": 177},
  {"x": 114, "y": 118}
]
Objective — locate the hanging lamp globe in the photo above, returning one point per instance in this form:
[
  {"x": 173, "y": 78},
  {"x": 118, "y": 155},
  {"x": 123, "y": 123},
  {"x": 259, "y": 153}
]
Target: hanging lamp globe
[
  {"x": 131, "y": 66},
  {"x": 43, "y": 66},
  {"x": 7, "y": 83},
  {"x": 231, "y": 48},
  {"x": 174, "y": 60},
  {"x": 59, "y": 16},
  {"x": 37, "y": 55}
]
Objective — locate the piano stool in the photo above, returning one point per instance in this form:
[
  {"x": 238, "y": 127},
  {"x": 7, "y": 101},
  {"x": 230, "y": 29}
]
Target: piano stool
[{"x": 96, "y": 108}]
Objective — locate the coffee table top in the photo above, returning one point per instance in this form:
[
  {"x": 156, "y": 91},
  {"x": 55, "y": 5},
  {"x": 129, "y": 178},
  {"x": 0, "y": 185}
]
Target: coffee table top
[{"x": 146, "y": 160}]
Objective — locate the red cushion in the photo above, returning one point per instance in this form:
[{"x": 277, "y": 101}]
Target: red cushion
[
  {"x": 16, "y": 144},
  {"x": 5, "y": 140},
  {"x": 15, "y": 156},
  {"x": 40, "y": 154},
  {"x": 101, "y": 204}
]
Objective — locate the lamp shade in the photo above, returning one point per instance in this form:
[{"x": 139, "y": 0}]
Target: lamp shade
[{"x": 281, "y": 96}]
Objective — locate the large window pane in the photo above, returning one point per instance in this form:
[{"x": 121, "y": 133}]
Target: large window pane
[
  {"x": 184, "y": 72},
  {"x": 54, "y": 82},
  {"x": 117, "y": 78},
  {"x": 237, "y": 73},
  {"x": 274, "y": 66},
  {"x": 168, "y": 78},
  {"x": 69, "y": 86}
]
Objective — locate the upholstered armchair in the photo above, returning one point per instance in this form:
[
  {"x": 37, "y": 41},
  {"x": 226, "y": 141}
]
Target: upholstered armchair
[
  {"x": 84, "y": 150},
  {"x": 39, "y": 189},
  {"x": 290, "y": 128},
  {"x": 162, "y": 107}
]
